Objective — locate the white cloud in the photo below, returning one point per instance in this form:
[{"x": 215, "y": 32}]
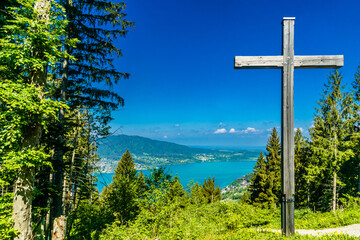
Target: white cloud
[
  {"x": 220, "y": 130},
  {"x": 269, "y": 129},
  {"x": 176, "y": 125},
  {"x": 249, "y": 130},
  {"x": 232, "y": 130},
  {"x": 165, "y": 137}
]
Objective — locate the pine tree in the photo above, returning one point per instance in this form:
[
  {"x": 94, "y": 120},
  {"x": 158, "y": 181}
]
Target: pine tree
[
  {"x": 258, "y": 182},
  {"x": 265, "y": 187},
  {"x": 210, "y": 192},
  {"x": 301, "y": 164},
  {"x": 273, "y": 164},
  {"x": 122, "y": 195},
  {"x": 126, "y": 167},
  {"x": 96, "y": 25},
  {"x": 330, "y": 141},
  {"x": 350, "y": 172},
  {"x": 196, "y": 196}
]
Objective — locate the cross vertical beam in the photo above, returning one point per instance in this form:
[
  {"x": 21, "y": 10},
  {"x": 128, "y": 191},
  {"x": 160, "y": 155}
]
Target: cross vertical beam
[
  {"x": 287, "y": 130},
  {"x": 287, "y": 62}
]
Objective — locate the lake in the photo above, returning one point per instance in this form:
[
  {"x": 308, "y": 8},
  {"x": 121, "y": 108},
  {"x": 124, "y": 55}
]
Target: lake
[{"x": 224, "y": 172}]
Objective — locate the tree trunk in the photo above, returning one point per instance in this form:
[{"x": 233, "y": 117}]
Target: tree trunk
[
  {"x": 59, "y": 177},
  {"x": 22, "y": 203},
  {"x": 24, "y": 184},
  {"x": 308, "y": 194},
  {"x": 334, "y": 192},
  {"x": 335, "y": 175},
  {"x": 59, "y": 228}
]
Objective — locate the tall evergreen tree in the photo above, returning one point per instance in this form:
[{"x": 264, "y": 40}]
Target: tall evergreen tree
[
  {"x": 273, "y": 164},
  {"x": 210, "y": 192},
  {"x": 258, "y": 182},
  {"x": 265, "y": 187},
  {"x": 301, "y": 159},
  {"x": 89, "y": 22},
  {"x": 122, "y": 196},
  {"x": 330, "y": 142},
  {"x": 351, "y": 170}
]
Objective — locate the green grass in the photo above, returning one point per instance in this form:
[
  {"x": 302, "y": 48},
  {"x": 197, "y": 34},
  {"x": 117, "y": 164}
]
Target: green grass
[
  {"x": 305, "y": 219},
  {"x": 226, "y": 220}
]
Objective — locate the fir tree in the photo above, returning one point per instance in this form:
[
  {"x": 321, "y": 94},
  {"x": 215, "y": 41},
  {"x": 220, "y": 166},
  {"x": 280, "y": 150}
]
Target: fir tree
[
  {"x": 265, "y": 187},
  {"x": 273, "y": 164},
  {"x": 258, "y": 182},
  {"x": 330, "y": 141},
  {"x": 210, "y": 192},
  {"x": 301, "y": 164},
  {"x": 350, "y": 171},
  {"x": 196, "y": 196},
  {"x": 122, "y": 196},
  {"x": 126, "y": 167}
]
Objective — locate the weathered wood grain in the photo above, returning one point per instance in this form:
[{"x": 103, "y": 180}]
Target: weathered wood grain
[
  {"x": 270, "y": 62},
  {"x": 287, "y": 130},
  {"x": 325, "y": 61},
  {"x": 249, "y": 62}
]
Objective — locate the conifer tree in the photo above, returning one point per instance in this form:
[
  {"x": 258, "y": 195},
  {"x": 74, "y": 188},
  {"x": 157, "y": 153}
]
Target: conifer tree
[
  {"x": 121, "y": 196},
  {"x": 210, "y": 192},
  {"x": 350, "y": 172},
  {"x": 258, "y": 182},
  {"x": 96, "y": 25},
  {"x": 273, "y": 164},
  {"x": 196, "y": 196},
  {"x": 265, "y": 187},
  {"x": 301, "y": 159},
  {"x": 330, "y": 140}
]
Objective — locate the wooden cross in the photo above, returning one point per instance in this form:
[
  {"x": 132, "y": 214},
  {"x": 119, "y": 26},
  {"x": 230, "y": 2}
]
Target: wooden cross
[{"x": 287, "y": 62}]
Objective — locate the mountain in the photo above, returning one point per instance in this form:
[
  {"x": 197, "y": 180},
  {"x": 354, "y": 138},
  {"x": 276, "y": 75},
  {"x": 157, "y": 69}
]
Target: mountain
[{"x": 149, "y": 153}]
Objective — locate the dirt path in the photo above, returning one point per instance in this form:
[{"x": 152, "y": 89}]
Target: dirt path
[{"x": 353, "y": 230}]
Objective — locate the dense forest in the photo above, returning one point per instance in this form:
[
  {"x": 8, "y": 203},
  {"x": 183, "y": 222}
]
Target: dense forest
[{"x": 53, "y": 54}]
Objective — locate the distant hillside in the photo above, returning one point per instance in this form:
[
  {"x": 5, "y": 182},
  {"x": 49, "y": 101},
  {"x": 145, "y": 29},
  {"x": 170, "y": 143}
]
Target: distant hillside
[{"x": 149, "y": 153}]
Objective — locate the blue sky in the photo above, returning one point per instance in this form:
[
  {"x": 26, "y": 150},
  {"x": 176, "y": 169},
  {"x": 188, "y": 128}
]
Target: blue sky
[{"x": 183, "y": 87}]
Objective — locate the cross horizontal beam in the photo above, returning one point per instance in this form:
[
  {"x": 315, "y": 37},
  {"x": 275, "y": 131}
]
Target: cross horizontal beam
[{"x": 264, "y": 62}]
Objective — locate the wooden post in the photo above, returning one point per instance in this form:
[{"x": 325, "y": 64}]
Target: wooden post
[{"x": 287, "y": 129}]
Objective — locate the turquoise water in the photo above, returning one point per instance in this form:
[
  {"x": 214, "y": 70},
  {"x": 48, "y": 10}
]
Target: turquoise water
[{"x": 224, "y": 172}]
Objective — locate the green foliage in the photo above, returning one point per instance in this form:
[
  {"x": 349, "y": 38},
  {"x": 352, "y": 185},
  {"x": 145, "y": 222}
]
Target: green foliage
[
  {"x": 301, "y": 157},
  {"x": 224, "y": 220},
  {"x": 306, "y": 219},
  {"x": 196, "y": 195},
  {"x": 258, "y": 182},
  {"x": 330, "y": 142},
  {"x": 6, "y": 223},
  {"x": 23, "y": 33},
  {"x": 126, "y": 167},
  {"x": 265, "y": 185},
  {"x": 273, "y": 163},
  {"x": 121, "y": 197},
  {"x": 89, "y": 219},
  {"x": 19, "y": 101},
  {"x": 210, "y": 192}
]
